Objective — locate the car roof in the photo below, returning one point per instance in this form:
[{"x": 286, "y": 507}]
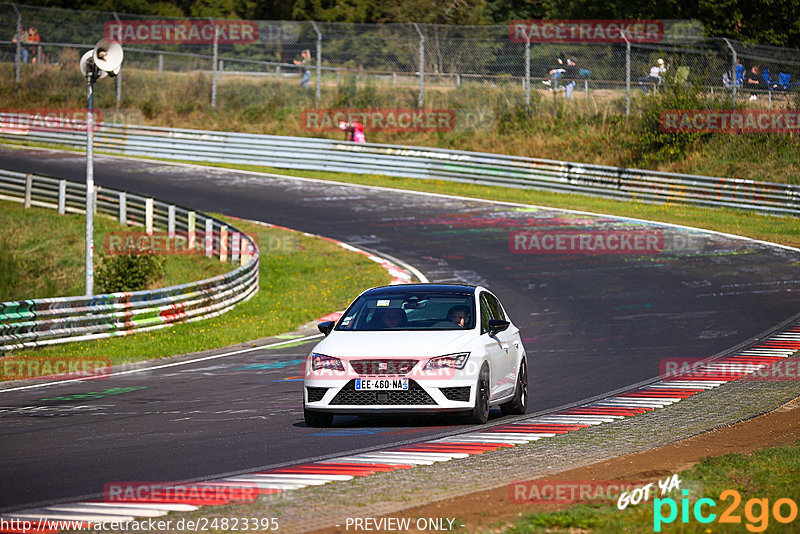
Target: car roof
[{"x": 422, "y": 288}]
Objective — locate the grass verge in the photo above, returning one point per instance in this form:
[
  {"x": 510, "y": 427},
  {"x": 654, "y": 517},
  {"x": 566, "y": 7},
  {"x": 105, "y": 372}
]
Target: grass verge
[
  {"x": 42, "y": 254},
  {"x": 761, "y": 480},
  {"x": 303, "y": 278}
]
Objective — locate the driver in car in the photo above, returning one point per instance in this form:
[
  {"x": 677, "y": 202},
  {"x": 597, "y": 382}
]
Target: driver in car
[
  {"x": 393, "y": 317},
  {"x": 459, "y": 315}
]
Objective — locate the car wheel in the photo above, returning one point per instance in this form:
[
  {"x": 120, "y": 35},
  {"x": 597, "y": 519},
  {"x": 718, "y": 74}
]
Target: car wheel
[
  {"x": 519, "y": 404},
  {"x": 480, "y": 413},
  {"x": 318, "y": 419}
]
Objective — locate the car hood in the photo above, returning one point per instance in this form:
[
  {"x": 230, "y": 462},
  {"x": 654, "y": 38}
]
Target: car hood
[{"x": 396, "y": 344}]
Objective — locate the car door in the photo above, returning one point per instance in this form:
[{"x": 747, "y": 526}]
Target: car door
[
  {"x": 493, "y": 346},
  {"x": 508, "y": 343}
]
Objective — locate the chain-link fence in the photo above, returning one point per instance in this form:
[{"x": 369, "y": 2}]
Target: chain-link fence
[{"x": 389, "y": 65}]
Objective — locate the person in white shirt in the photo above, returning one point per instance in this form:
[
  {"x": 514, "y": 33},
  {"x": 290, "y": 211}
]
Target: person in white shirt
[{"x": 655, "y": 77}]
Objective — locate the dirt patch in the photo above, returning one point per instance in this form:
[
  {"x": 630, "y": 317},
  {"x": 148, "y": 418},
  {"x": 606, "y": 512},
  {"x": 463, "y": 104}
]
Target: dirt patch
[{"x": 492, "y": 510}]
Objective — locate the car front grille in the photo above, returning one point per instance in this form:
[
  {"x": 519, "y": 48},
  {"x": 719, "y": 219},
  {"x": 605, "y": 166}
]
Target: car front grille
[
  {"x": 414, "y": 396},
  {"x": 382, "y": 367},
  {"x": 456, "y": 394},
  {"x": 316, "y": 394}
]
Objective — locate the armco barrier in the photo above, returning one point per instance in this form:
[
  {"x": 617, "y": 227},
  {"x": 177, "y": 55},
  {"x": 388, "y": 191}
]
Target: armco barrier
[
  {"x": 415, "y": 162},
  {"x": 40, "y": 322}
]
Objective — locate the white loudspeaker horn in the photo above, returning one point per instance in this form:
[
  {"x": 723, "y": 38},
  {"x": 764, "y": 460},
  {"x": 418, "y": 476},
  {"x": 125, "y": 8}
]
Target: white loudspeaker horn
[
  {"x": 86, "y": 62},
  {"x": 107, "y": 55}
]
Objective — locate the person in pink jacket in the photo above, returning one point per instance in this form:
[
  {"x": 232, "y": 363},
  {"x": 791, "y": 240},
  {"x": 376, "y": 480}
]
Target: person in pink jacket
[{"x": 356, "y": 130}]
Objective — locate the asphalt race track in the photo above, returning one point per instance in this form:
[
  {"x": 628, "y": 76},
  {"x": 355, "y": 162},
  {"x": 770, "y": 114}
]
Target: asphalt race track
[{"x": 591, "y": 323}]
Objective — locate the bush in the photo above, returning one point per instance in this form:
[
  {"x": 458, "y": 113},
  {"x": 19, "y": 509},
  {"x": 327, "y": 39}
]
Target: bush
[{"x": 129, "y": 272}]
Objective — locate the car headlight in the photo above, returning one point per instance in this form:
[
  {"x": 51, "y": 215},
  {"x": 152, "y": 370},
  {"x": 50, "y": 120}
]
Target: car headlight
[
  {"x": 450, "y": 361},
  {"x": 329, "y": 363}
]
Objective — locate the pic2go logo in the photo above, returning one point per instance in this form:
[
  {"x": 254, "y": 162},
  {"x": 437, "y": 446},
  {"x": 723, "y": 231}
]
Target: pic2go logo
[{"x": 756, "y": 511}]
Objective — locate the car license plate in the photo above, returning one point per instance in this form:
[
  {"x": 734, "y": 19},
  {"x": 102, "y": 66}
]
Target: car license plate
[{"x": 381, "y": 384}]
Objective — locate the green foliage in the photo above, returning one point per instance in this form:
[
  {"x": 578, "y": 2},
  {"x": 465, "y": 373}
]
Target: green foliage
[{"x": 129, "y": 272}]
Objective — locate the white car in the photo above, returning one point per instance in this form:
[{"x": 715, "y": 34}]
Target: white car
[{"x": 417, "y": 348}]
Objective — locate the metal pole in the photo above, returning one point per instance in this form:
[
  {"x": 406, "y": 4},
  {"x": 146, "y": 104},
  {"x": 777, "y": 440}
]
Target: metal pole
[
  {"x": 627, "y": 75},
  {"x": 527, "y": 73},
  {"x": 118, "y": 78},
  {"x": 734, "y": 79},
  {"x": 90, "y": 78},
  {"x": 18, "y": 56},
  {"x": 160, "y": 64},
  {"x": 214, "y": 66},
  {"x": 319, "y": 62},
  {"x": 421, "y": 98}
]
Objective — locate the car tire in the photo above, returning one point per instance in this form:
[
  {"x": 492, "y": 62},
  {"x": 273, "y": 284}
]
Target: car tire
[
  {"x": 519, "y": 404},
  {"x": 480, "y": 413},
  {"x": 317, "y": 419}
]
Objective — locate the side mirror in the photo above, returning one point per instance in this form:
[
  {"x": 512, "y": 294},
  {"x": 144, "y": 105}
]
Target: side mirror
[
  {"x": 326, "y": 326},
  {"x": 496, "y": 326}
]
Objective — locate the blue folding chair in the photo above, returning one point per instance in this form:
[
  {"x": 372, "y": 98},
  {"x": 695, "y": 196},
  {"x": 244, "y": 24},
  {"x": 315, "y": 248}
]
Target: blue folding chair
[
  {"x": 739, "y": 75},
  {"x": 785, "y": 81},
  {"x": 771, "y": 84}
]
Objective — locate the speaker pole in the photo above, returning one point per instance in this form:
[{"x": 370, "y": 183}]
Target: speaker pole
[{"x": 90, "y": 77}]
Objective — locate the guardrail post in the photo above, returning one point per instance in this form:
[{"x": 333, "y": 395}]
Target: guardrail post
[
  {"x": 148, "y": 215},
  {"x": 223, "y": 243},
  {"x": 171, "y": 221},
  {"x": 421, "y": 98},
  {"x": 28, "y": 187},
  {"x": 18, "y": 53},
  {"x": 245, "y": 255},
  {"x": 123, "y": 208},
  {"x": 209, "y": 238},
  {"x": 236, "y": 238},
  {"x": 62, "y": 197},
  {"x": 191, "y": 221},
  {"x": 160, "y": 64}
]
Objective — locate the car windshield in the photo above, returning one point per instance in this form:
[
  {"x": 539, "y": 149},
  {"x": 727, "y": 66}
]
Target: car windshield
[{"x": 410, "y": 311}]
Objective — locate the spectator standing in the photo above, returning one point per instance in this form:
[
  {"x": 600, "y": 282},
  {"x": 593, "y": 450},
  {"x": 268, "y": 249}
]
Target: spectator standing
[
  {"x": 35, "y": 39},
  {"x": 305, "y": 61},
  {"x": 356, "y": 131},
  {"x": 753, "y": 80},
  {"x": 555, "y": 75},
  {"x": 570, "y": 78},
  {"x": 655, "y": 77},
  {"x": 23, "y": 50}
]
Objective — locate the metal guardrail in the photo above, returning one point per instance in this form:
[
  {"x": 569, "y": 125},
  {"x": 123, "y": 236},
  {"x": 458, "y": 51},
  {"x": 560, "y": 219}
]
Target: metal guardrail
[
  {"x": 40, "y": 322},
  {"x": 425, "y": 163}
]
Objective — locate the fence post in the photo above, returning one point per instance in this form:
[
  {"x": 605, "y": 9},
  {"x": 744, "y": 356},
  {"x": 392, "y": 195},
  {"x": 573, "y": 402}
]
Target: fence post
[
  {"x": 18, "y": 53},
  {"x": 221, "y": 70},
  {"x": 734, "y": 79},
  {"x": 394, "y": 80},
  {"x": 118, "y": 77},
  {"x": 586, "y": 88},
  {"x": 28, "y": 187},
  {"x": 421, "y": 98},
  {"x": 123, "y": 208},
  {"x": 62, "y": 197},
  {"x": 215, "y": 55},
  {"x": 319, "y": 62},
  {"x": 171, "y": 221},
  {"x": 148, "y": 215},
  {"x": 209, "y": 237},
  {"x": 527, "y": 72},
  {"x": 160, "y": 64},
  {"x": 245, "y": 255},
  {"x": 191, "y": 223},
  {"x": 627, "y": 75}
]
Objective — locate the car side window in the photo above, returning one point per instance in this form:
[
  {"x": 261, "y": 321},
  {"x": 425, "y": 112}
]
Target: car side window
[
  {"x": 494, "y": 306},
  {"x": 486, "y": 313}
]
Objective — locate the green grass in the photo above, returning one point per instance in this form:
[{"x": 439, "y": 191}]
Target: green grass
[
  {"x": 301, "y": 278},
  {"x": 772, "y": 473},
  {"x": 42, "y": 254}
]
